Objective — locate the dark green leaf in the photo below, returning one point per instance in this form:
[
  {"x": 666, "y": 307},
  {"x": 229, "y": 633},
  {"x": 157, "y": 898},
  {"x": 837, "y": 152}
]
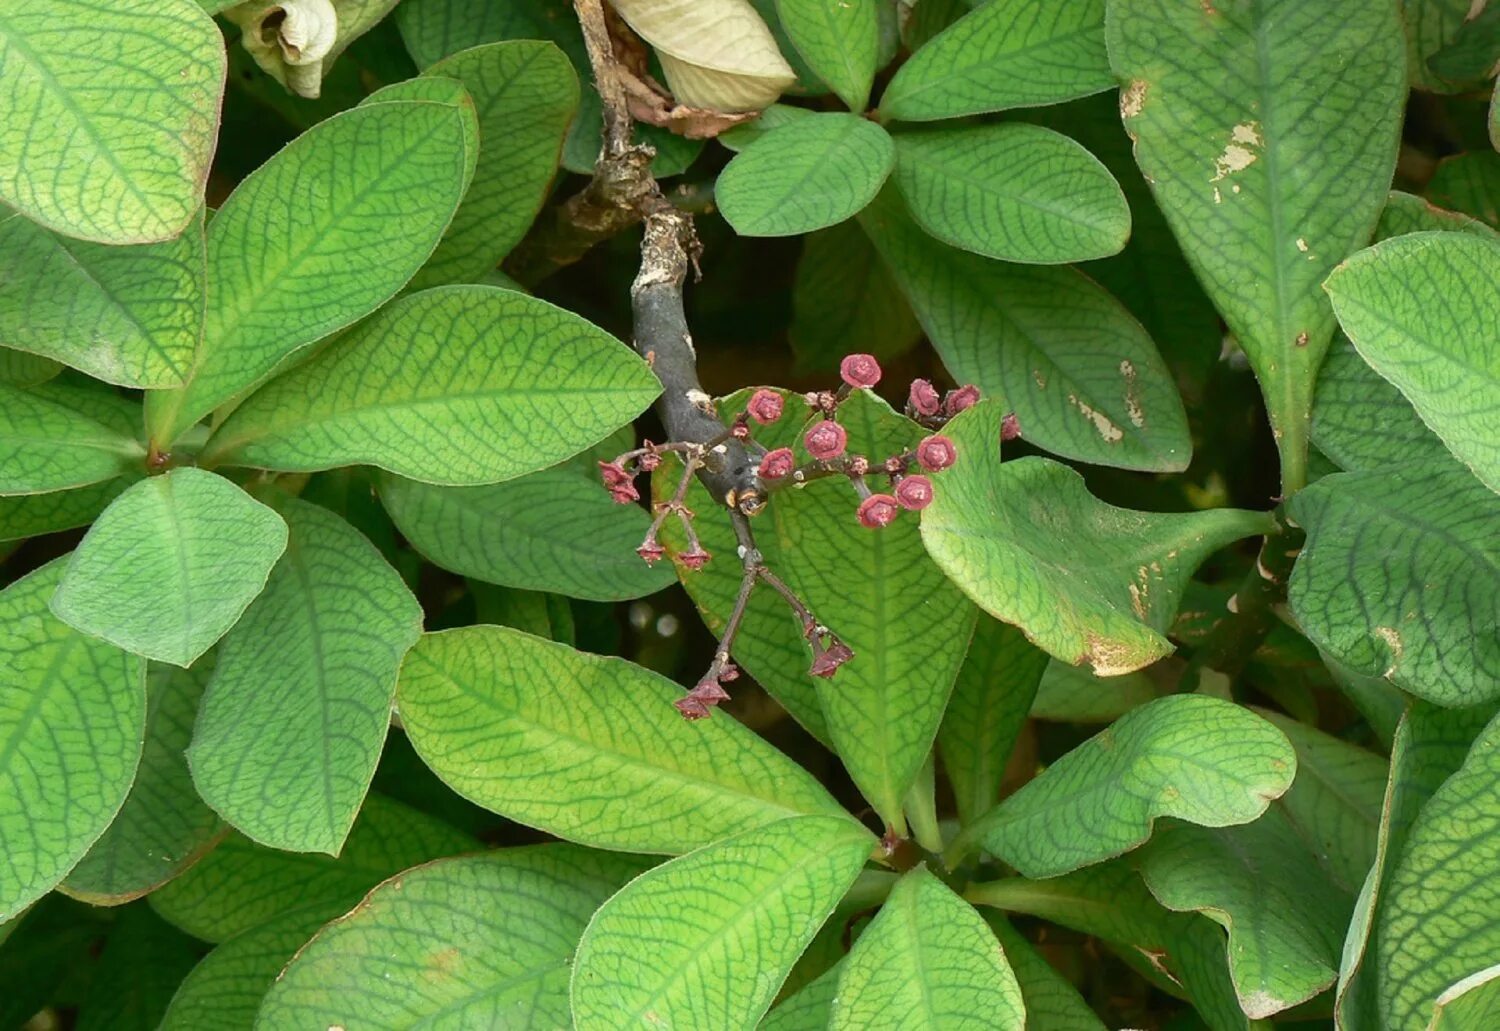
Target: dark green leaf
[
  {"x": 143, "y": 959},
  {"x": 844, "y": 298}
]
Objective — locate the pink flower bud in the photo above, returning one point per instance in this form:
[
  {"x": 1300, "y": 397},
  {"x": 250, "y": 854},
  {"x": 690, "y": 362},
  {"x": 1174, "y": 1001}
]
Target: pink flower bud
[
  {"x": 960, "y": 399},
  {"x": 739, "y": 431},
  {"x": 860, "y": 370},
  {"x": 649, "y": 461},
  {"x": 695, "y": 558},
  {"x": 924, "y": 399},
  {"x": 936, "y": 453},
  {"x": 826, "y": 440},
  {"x": 624, "y": 494},
  {"x": 777, "y": 464},
  {"x": 878, "y": 510},
  {"x": 709, "y": 692},
  {"x": 1010, "y": 427},
  {"x": 691, "y": 708},
  {"x": 914, "y": 493},
  {"x": 765, "y": 406},
  {"x": 651, "y": 551},
  {"x": 826, "y": 663},
  {"x": 613, "y": 474},
  {"x": 858, "y": 465},
  {"x": 729, "y": 673}
]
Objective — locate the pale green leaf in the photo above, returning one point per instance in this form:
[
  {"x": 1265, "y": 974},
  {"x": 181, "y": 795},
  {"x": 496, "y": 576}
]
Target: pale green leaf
[
  {"x": 1012, "y": 191},
  {"x": 55, "y": 438},
  {"x": 163, "y": 827},
  {"x": 1051, "y": 1001},
  {"x": 436, "y": 89},
  {"x": 525, "y": 94},
  {"x": 809, "y": 174},
  {"x": 705, "y": 940},
  {"x": 1440, "y": 918},
  {"x": 1400, "y": 578},
  {"x": 1072, "y": 694},
  {"x": 109, "y": 142},
  {"x": 927, "y": 961},
  {"x": 985, "y": 713},
  {"x": 843, "y": 299},
  {"x": 774, "y": 117},
  {"x": 457, "y": 386},
  {"x": 316, "y": 238},
  {"x": 296, "y": 714},
  {"x": 1469, "y": 1004},
  {"x": 225, "y": 989},
  {"x": 1020, "y": 53},
  {"x": 840, "y": 42},
  {"x": 806, "y": 1009},
  {"x": 1268, "y": 130},
  {"x": 1285, "y": 917},
  {"x": 241, "y": 885},
  {"x": 171, "y": 565},
  {"x": 27, "y": 515},
  {"x": 1192, "y": 757},
  {"x": 554, "y": 530},
  {"x": 1087, "y": 582},
  {"x": 1418, "y": 311},
  {"x": 127, "y": 315},
  {"x": 501, "y": 929},
  {"x": 1335, "y": 802},
  {"x": 1082, "y": 376},
  {"x": 588, "y": 748},
  {"x": 1406, "y": 213},
  {"x": 1430, "y": 745},
  {"x": 138, "y": 968},
  {"x": 72, "y": 714}
]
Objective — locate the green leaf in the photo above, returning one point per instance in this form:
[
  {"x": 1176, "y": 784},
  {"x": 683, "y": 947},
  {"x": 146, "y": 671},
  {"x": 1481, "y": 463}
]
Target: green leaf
[
  {"x": 20, "y": 369},
  {"x": 240, "y": 885},
  {"x": 554, "y": 530},
  {"x": 142, "y": 960},
  {"x": 1399, "y": 578},
  {"x": 171, "y": 565},
  {"x": 1473, "y": 55},
  {"x": 1268, "y": 131},
  {"x": 809, "y": 174},
  {"x": 927, "y": 961},
  {"x": 1440, "y": 919},
  {"x": 773, "y": 117},
  {"x": 1469, "y": 183},
  {"x": 1051, "y": 1001},
  {"x": 1432, "y": 25},
  {"x": 986, "y": 712},
  {"x": 1408, "y": 306},
  {"x": 525, "y": 94},
  {"x": 1361, "y": 421},
  {"x": 1071, "y": 694},
  {"x": 1012, "y": 191},
  {"x": 1406, "y": 213},
  {"x": 1470, "y": 1004},
  {"x": 1022, "y": 53},
  {"x": 433, "y": 29},
  {"x": 127, "y": 315},
  {"x": 72, "y": 713},
  {"x": 457, "y": 386},
  {"x": 839, "y": 41},
  {"x": 1086, "y": 582},
  {"x": 225, "y": 989},
  {"x": 1335, "y": 802},
  {"x": 588, "y": 748},
  {"x": 1285, "y": 917},
  {"x": 724, "y": 923},
  {"x": 843, "y": 292},
  {"x": 295, "y": 717},
  {"x": 77, "y": 159},
  {"x": 54, "y": 438},
  {"x": 380, "y": 182},
  {"x": 500, "y": 929},
  {"x": 163, "y": 827},
  {"x": 808, "y": 1008},
  {"x": 1081, "y": 374},
  {"x": 1192, "y": 757},
  {"x": 27, "y": 515}
]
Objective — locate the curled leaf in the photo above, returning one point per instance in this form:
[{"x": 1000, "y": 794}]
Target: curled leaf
[
  {"x": 289, "y": 39},
  {"x": 717, "y": 54}
]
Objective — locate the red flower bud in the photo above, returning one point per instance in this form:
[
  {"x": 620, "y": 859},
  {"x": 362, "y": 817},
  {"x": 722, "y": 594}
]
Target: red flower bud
[
  {"x": 624, "y": 494},
  {"x": 826, "y": 663},
  {"x": 765, "y": 406},
  {"x": 709, "y": 692},
  {"x": 613, "y": 474},
  {"x": 878, "y": 510},
  {"x": 694, "y": 558},
  {"x": 914, "y": 493},
  {"x": 960, "y": 399},
  {"x": 1010, "y": 427},
  {"x": 739, "y": 431},
  {"x": 924, "y": 399},
  {"x": 777, "y": 464},
  {"x": 826, "y": 440},
  {"x": 860, "y": 370},
  {"x": 651, "y": 551},
  {"x": 936, "y": 453},
  {"x": 691, "y": 708},
  {"x": 649, "y": 461}
]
